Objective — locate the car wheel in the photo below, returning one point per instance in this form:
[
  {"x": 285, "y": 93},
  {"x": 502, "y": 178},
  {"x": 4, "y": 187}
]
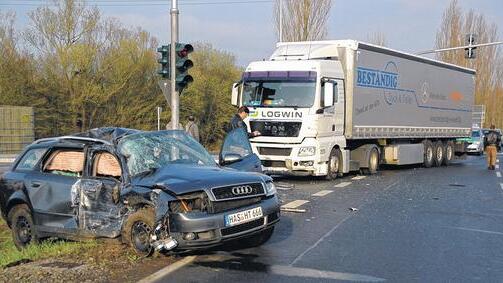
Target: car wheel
[
  {"x": 448, "y": 153},
  {"x": 258, "y": 239},
  {"x": 428, "y": 153},
  {"x": 438, "y": 157},
  {"x": 22, "y": 226},
  {"x": 373, "y": 162},
  {"x": 137, "y": 231},
  {"x": 334, "y": 162}
]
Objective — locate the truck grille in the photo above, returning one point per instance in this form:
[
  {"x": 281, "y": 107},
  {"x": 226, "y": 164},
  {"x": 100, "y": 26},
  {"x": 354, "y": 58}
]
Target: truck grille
[
  {"x": 238, "y": 191},
  {"x": 274, "y": 163},
  {"x": 276, "y": 129},
  {"x": 242, "y": 227},
  {"x": 222, "y": 206},
  {"x": 277, "y": 151}
]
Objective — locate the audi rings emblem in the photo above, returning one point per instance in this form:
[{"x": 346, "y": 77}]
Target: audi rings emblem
[{"x": 242, "y": 190}]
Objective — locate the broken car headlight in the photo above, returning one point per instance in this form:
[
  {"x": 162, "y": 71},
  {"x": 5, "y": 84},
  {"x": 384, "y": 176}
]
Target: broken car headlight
[
  {"x": 307, "y": 151},
  {"x": 270, "y": 189}
]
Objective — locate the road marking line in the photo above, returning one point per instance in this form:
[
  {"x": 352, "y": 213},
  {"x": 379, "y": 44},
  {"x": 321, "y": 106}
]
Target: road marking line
[
  {"x": 300, "y": 256},
  {"x": 498, "y": 174},
  {"x": 322, "y": 193},
  {"x": 497, "y": 166},
  {"x": 321, "y": 274},
  {"x": 342, "y": 185},
  {"x": 497, "y": 161},
  {"x": 358, "y": 178},
  {"x": 167, "y": 270},
  {"x": 475, "y": 230},
  {"x": 294, "y": 204},
  {"x": 501, "y": 185}
]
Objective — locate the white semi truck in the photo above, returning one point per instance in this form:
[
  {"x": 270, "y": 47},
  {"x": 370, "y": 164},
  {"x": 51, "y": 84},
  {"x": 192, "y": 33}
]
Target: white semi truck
[{"x": 325, "y": 108}]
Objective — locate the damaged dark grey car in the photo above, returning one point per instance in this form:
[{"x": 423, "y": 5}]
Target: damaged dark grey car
[{"x": 154, "y": 190}]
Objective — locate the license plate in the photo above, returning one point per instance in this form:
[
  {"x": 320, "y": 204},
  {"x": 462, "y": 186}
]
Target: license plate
[{"x": 243, "y": 216}]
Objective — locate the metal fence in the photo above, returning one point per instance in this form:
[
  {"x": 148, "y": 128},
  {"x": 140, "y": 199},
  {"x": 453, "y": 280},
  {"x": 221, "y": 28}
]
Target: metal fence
[{"x": 16, "y": 128}]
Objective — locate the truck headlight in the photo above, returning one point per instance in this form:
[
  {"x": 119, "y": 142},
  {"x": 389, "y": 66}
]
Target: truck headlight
[
  {"x": 270, "y": 189},
  {"x": 307, "y": 151}
]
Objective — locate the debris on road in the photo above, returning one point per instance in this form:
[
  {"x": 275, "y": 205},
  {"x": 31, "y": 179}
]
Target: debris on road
[
  {"x": 297, "y": 210},
  {"x": 457, "y": 185},
  {"x": 435, "y": 198},
  {"x": 353, "y": 209}
]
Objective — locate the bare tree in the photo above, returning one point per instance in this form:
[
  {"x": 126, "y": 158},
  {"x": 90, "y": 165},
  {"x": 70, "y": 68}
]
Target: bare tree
[
  {"x": 455, "y": 26},
  {"x": 377, "y": 38},
  {"x": 302, "y": 20}
]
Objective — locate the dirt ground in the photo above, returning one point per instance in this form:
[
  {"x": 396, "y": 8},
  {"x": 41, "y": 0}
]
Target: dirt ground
[{"x": 102, "y": 261}]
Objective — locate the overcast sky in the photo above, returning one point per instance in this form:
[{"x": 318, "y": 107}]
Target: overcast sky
[{"x": 246, "y": 29}]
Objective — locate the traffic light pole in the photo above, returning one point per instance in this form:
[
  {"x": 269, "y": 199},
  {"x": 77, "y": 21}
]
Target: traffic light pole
[
  {"x": 459, "y": 47},
  {"x": 175, "y": 98}
]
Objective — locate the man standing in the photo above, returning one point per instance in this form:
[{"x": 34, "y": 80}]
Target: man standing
[
  {"x": 192, "y": 129},
  {"x": 237, "y": 121},
  {"x": 491, "y": 140}
]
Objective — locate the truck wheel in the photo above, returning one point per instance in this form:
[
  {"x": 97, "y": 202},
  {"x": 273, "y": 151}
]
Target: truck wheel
[
  {"x": 258, "y": 239},
  {"x": 137, "y": 231},
  {"x": 438, "y": 150},
  {"x": 373, "y": 162},
  {"x": 334, "y": 162},
  {"x": 22, "y": 226},
  {"x": 428, "y": 153},
  {"x": 448, "y": 153}
]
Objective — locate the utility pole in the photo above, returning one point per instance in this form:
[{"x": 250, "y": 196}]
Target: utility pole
[
  {"x": 175, "y": 98},
  {"x": 280, "y": 20}
]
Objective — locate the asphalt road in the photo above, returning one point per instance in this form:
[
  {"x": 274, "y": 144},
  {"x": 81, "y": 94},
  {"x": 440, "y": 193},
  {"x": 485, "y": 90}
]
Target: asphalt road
[{"x": 401, "y": 225}]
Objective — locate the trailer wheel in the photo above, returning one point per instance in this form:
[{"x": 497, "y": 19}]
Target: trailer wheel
[
  {"x": 334, "y": 162},
  {"x": 373, "y": 162},
  {"x": 438, "y": 157},
  {"x": 428, "y": 153},
  {"x": 448, "y": 153}
]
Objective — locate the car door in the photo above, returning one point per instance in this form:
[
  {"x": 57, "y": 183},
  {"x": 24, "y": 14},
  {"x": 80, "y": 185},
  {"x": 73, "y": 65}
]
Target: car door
[
  {"x": 97, "y": 195},
  {"x": 236, "y": 152},
  {"x": 49, "y": 189}
]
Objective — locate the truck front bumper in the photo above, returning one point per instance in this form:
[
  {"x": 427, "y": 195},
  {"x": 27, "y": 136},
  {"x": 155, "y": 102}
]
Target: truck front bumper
[{"x": 210, "y": 230}]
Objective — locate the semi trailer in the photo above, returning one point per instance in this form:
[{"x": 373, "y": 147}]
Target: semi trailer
[{"x": 325, "y": 108}]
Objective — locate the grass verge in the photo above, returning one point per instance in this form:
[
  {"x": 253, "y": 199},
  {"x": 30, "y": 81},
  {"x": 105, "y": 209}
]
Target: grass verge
[{"x": 46, "y": 249}]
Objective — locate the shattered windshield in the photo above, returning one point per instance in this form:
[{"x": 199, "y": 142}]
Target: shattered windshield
[
  {"x": 149, "y": 151},
  {"x": 279, "y": 89}
]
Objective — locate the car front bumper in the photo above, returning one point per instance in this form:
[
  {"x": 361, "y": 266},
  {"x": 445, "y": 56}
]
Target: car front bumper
[{"x": 210, "y": 230}]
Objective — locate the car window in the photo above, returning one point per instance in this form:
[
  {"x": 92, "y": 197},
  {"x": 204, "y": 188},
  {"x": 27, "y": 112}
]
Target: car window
[
  {"x": 106, "y": 165},
  {"x": 65, "y": 162},
  {"x": 236, "y": 142},
  {"x": 31, "y": 159}
]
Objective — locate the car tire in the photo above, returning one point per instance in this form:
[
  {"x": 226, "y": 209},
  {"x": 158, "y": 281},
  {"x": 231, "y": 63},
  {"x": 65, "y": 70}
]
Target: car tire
[
  {"x": 334, "y": 164},
  {"x": 22, "y": 226},
  {"x": 137, "y": 231},
  {"x": 258, "y": 239},
  {"x": 438, "y": 153},
  {"x": 372, "y": 162},
  {"x": 448, "y": 153},
  {"x": 428, "y": 154}
]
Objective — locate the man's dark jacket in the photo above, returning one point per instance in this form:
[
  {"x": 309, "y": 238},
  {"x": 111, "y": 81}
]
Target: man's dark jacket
[{"x": 237, "y": 122}]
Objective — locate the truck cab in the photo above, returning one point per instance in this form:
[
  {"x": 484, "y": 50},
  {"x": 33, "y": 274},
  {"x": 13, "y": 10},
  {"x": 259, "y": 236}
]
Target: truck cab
[{"x": 298, "y": 107}]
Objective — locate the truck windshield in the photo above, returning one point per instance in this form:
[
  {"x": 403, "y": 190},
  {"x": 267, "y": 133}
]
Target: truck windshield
[{"x": 279, "y": 88}]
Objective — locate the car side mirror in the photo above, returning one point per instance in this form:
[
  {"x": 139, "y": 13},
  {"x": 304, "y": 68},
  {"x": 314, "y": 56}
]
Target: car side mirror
[{"x": 230, "y": 158}]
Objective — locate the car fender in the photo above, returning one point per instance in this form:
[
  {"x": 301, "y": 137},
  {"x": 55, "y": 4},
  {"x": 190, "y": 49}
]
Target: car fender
[{"x": 18, "y": 197}]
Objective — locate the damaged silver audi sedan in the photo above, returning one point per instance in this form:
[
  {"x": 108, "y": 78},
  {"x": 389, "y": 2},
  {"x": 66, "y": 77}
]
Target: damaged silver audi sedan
[{"x": 153, "y": 190}]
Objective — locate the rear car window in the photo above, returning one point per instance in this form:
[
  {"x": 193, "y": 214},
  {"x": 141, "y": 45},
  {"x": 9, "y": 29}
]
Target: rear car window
[
  {"x": 31, "y": 159},
  {"x": 106, "y": 165},
  {"x": 65, "y": 162}
]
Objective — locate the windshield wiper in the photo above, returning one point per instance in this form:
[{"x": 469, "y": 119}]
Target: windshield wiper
[{"x": 148, "y": 172}]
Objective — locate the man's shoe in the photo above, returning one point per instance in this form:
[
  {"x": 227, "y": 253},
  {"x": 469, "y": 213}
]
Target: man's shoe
[{"x": 489, "y": 168}]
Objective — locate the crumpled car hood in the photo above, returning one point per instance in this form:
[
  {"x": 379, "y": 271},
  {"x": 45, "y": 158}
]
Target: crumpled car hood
[{"x": 181, "y": 179}]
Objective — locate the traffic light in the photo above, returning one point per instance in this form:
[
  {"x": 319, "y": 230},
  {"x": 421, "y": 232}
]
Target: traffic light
[
  {"x": 183, "y": 64},
  {"x": 164, "y": 61},
  {"x": 470, "y": 51}
]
